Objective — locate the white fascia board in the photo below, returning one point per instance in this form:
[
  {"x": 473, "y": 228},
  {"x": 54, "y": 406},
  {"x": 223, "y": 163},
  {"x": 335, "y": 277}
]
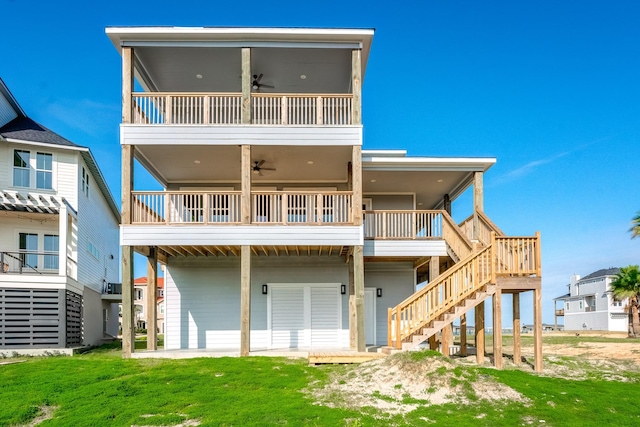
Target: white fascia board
[
  {"x": 383, "y": 153},
  {"x": 428, "y": 163},
  {"x": 44, "y": 144}
]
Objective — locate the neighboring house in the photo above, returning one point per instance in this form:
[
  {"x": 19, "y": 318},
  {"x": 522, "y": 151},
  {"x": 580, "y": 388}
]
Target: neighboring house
[
  {"x": 140, "y": 301},
  {"x": 276, "y": 229},
  {"x": 59, "y": 239},
  {"x": 589, "y": 304}
]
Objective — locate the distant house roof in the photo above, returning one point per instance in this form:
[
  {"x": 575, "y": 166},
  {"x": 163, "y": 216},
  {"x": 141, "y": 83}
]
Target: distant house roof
[
  {"x": 601, "y": 273},
  {"x": 24, "y": 129},
  {"x": 565, "y": 296},
  {"x": 143, "y": 281}
]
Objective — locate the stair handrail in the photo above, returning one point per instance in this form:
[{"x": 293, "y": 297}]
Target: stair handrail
[
  {"x": 485, "y": 225},
  {"x": 480, "y": 276},
  {"x": 455, "y": 238}
]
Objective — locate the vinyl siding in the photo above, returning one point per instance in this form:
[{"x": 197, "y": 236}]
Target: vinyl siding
[
  {"x": 134, "y": 235},
  {"x": 405, "y": 248},
  {"x": 96, "y": 224},
  {"x": 203, "y": 297},
  {"x": 397, "y": 281},
  {"x": 235, "y": 135},
  {"x": 7, "y": 113}
]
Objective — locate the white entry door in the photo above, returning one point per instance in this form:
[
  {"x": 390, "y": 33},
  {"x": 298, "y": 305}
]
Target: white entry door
[
  {"x": 370, "y": 315},
  {"x": 304, "y": 315}
]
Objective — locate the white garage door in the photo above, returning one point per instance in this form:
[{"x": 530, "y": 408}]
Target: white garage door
[{"x": 305, "y": 315}]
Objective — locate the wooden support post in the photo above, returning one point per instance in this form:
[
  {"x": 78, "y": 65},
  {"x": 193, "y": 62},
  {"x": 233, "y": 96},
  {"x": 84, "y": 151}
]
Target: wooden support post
[
  {"x": 463, "y": 335},
  {"x": 127, "y": 84},
  {"x": 245, "y": 200},
  {"x": 537, "y": 329},
  {"x": 127, "y": 183},
  {"x": 356, "y": 182},
  {"x": 356, "y": 86},
  {"x": 434, "y": 268},
  {"x": 446, "y": 203},
  {"x": 447, "y": 340},
  {"x": 246, "y": 85},
  {"x": 517, "y": 352},
  {"x": 497, "y": 329},
  {"x": 245, "y": 300},
  {"x": 479, "y": 332},
  {"x": 128, "y": 328},
  {"x": 433, "y": 342},
  {"x": 358, "y": 282},
  {"x": 152, "y": 299},
  {"x": 478, "y": 203}
]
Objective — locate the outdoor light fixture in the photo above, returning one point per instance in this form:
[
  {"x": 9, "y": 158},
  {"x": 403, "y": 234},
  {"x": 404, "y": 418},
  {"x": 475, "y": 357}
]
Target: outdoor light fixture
[
  {"x": 264, "y": 289},
  {"x": 343, "y": 289},
  {"x": 378, "y": 292}
]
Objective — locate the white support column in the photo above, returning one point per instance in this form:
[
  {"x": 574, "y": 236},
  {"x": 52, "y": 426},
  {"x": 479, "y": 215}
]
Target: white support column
[{"x": 63, "y": 232}]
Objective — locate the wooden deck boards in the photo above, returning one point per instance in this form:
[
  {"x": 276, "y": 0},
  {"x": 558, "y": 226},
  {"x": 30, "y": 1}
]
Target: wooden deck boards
[{"x": 320, "y": 357}]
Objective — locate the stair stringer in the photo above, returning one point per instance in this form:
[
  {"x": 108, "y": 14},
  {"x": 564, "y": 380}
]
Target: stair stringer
[{"x": 462, "y": 307}]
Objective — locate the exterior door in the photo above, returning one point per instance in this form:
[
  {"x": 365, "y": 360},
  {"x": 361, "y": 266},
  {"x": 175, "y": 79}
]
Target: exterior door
[
  {"x": 370, "y": 316},
  {"x": 304, "y": 315}
]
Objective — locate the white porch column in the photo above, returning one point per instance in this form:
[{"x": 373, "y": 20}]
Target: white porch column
[{"x": 63, "y": 232}]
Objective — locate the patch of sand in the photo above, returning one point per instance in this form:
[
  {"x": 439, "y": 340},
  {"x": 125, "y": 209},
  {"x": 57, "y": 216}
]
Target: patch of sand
[
  {"x": 45, "y": 413},
  {"x": 398, "y": 385}
]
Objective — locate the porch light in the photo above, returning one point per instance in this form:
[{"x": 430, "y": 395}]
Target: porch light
[
  {"x": 343, "y": 289},
  {"x": 264, "y": 289},
  {"x": 378, "y": 292}
]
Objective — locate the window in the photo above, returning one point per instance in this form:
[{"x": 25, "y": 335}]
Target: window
[
  {"x": 44, "y": 171},
  {"x": 581, "y": 305},
  {"x": 28, "y": 244},
  {"x": 21, "y": 168},
  {"x": 93, "y": 250},
  {"x": 162, "y": 308},
  {"x": 160, "y": 292},
  {"x": 566, "y": 305},
  {"x": 51, "y": 245},
  {"x": 138, "y": 294},
  {"x": 85, "y": 182}
]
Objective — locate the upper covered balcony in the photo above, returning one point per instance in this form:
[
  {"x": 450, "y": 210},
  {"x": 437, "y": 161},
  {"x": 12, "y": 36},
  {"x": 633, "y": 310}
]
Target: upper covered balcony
[{"x": 222, "y": 77}]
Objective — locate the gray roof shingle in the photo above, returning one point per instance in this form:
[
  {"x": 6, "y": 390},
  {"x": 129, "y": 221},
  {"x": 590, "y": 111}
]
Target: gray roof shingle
[
  {"x": 25, "y": 129},
  {"x": 602, "y": 272}
]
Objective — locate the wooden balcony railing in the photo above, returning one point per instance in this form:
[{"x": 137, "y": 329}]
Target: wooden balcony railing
[
  {"x": 560, "y": 312},
  {"x": 173, "y": 207},
  {"x": 402, "y": 225},
  {"x": 267, "y": 207},
  {"x": 291, "y": 207},
  {"x": 456, "y": 240},
  {"x": 156, "y": 108},
  {"x": 517, "y": 256}
]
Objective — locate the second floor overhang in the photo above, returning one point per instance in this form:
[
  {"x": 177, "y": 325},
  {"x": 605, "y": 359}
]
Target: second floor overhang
[{"x": 209, "y": 59}]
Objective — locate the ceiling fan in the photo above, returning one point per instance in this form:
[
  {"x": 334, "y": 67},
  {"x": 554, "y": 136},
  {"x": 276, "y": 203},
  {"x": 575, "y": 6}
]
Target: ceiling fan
[
  {"x": 257, "y": 167},
  {"x": 256, "y": 85}
]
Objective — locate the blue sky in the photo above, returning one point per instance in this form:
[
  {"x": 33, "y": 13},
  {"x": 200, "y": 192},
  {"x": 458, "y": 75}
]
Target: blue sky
[{"x": 549, "y": 88}]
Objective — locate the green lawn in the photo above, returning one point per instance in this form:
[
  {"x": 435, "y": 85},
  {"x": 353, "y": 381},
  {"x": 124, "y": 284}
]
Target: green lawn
[{"x": 99, "y": 388}]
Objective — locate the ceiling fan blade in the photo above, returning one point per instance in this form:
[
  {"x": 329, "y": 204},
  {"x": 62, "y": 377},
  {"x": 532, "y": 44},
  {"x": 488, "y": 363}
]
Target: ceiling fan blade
[
  {"x": 259, "y": 77},
  {"x": 260, "y": 172},
  {"x": 269, "y": 86},
  {"x": 260, "y": 163},
  {"x": 267, "y": 169}
]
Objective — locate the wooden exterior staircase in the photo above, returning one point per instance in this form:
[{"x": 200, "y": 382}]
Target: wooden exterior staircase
[{"x": 473, "y": 279}]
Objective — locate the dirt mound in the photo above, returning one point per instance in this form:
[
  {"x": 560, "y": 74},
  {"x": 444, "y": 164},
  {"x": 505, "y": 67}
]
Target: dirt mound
[{"x": 401, "y": 383}]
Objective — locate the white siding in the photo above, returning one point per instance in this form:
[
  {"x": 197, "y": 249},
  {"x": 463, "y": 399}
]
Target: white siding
[
  {"x": 7, "y": 113},
  {"x": 397, "y": 281},
  {"x": 96, "y": 224},
  {"x": 234, "y": 135},
  {"x": 134, "y": 235},
  {"x": 6, "y": 163},
  {"x": 405, "y": 248},
  {"x": 203, "y": 298}
]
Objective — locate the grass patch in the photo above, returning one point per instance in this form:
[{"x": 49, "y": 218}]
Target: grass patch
[{"x": 99, "y": 388}]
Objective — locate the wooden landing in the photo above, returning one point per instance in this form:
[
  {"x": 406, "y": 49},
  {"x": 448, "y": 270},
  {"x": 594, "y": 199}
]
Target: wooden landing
[{"x": 342, "y": 357}]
